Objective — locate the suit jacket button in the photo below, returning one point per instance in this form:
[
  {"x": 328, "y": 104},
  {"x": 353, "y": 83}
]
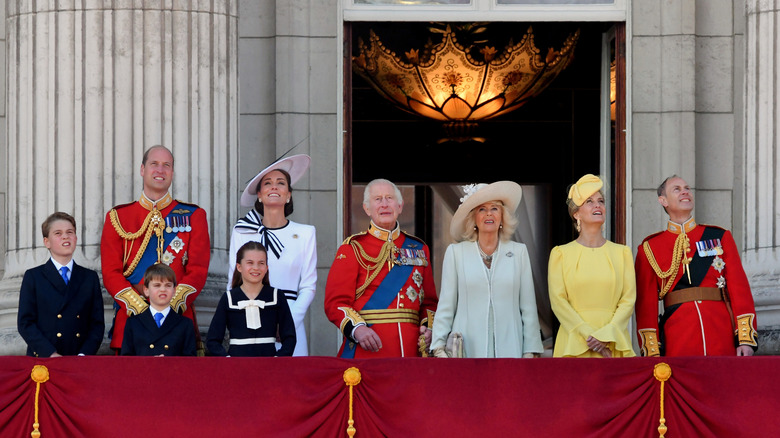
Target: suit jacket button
[
  {"x": 151, "y": 346},
  {"x": 59, "y": 335},
  {"x": 59, "y": 316},
  {"x": 78, "y": 316},
  {"x": 78, "y": 335},
  {"x": 166, "y": 347}
]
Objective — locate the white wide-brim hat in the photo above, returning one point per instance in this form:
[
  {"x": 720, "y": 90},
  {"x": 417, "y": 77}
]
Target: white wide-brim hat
[
  {"x": 295, "y": 165},
  {"x": 508, "y": 192}
]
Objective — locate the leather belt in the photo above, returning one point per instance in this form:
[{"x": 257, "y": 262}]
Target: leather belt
[{"x": 692, "y": 294}]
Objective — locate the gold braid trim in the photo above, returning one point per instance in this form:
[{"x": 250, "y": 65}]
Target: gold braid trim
[
  {"x": 157, "y": 226},
  {"x": 179, "y": 300},
  {"x": 372, "y": 265},
  {"x": 679, "y": 255},
  {"x": 745, "y": 333}
]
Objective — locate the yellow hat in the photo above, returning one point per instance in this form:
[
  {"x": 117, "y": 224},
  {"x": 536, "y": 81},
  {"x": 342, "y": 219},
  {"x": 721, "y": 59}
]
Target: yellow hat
[{"x": 584, "y": 188}]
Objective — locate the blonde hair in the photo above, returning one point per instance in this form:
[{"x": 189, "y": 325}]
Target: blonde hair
[{"x": 508, "y": 224}]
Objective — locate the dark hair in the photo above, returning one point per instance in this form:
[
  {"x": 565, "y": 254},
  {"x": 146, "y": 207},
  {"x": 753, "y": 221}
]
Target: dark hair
[
  {"x": 288, "y": 207},
  {"x": 249, "y": 246},
  {"x": 159, "y": 146},
  {"x": 57, "y": 216},
  {"x": 159, "y": 271}
]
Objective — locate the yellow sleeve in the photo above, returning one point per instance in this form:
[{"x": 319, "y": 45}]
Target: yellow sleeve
[{"x": 570, "y": 320}]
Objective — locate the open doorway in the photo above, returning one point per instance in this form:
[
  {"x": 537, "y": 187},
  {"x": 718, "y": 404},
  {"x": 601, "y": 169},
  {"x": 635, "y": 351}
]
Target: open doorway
[{"x": 569, "y": 130}]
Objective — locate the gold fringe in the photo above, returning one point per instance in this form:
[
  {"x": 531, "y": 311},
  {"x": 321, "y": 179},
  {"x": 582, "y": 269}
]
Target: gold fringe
[
  {"x": 662, "y": 372},
  {"x": 351, "y": 378},
  {"x": 39, "y": 374}
]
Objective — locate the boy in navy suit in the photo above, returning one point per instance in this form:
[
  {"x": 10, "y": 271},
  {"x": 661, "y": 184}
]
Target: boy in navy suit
[
  {"x": 60, "y": 302},
  {"x": 158, "y": 330}
]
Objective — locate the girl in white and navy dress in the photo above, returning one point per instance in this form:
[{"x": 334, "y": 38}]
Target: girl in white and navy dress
[{"x": 252, "y": 312}]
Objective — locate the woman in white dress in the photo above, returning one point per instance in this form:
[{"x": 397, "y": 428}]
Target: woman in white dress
[
  {"x": 487, "y": 291},
  {"x": 292, "y": 247}
]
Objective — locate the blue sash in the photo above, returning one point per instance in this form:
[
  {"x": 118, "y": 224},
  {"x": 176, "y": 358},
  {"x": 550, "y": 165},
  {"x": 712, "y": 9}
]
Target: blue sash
[
  {"x": 385, "y": 293},
  {"x": 150, "y": 255}
]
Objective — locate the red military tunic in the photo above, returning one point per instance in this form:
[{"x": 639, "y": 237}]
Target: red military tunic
[
  {"x": 187, "y": 251},
  {"x": 398, "y": 324},
  {"x": 694, "y": 327}
]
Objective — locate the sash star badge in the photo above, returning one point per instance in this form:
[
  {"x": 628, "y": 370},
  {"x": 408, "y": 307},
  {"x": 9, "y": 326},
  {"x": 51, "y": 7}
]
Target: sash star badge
[
  {"x": 411, "y": 293},
  {"x": 177, "y": 244},
  {"x": 167, "y": 258},
  {"x": 718, "y": 264},
  {"x": 417, "y": 277}
]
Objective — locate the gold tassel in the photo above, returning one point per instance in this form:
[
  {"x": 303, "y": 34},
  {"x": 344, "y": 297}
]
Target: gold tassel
[
  {"x": 351, "y": 378},
  {"x": 662, "y": 372},
  {"x": 39, "y": 374}
]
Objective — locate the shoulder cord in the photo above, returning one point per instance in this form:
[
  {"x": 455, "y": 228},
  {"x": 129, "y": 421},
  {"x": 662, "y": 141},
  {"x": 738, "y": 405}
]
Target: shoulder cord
[
  {"x": 681, "y": 247},
  {"x": 157, "y": 226},
  {"x": 385, "y": 255}
]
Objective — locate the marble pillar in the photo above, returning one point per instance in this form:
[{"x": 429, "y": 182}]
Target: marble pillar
[
  {"x": 91, "y": 85},
  {"x": 762, "y": 163}
]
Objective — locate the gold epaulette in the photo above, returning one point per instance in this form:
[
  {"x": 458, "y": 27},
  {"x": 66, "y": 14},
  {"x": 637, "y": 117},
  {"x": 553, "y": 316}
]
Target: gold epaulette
[{"x": 349, "y": 239}]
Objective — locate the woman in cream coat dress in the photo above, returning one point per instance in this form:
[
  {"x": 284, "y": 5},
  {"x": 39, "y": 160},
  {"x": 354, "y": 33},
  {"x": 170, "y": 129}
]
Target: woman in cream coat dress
[
  {"x": 591, "y": 282},
  {"x": 487, "y": 291}
]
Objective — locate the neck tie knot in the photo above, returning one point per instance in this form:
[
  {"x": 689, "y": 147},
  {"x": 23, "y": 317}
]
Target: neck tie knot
[
  {"x": 158, "y": 318},
  {"x": 64, "y": 274}
]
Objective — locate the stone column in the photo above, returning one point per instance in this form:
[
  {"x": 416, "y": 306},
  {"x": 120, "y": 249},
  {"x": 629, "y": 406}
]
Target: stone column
[
  {"x": 90, "y": 87},
  {"x": 762, "y": 187}
]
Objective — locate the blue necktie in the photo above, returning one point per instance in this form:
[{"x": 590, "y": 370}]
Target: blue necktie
[
  {"x": 158, "y": 318},
  {"x": 64, "y": 273}
]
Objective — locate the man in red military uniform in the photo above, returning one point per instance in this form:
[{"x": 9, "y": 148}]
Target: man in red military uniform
[
  {"x": 380, "y": 290},
  {"x": 697, "y": 273},
  {"x": 154, "y": 229}
]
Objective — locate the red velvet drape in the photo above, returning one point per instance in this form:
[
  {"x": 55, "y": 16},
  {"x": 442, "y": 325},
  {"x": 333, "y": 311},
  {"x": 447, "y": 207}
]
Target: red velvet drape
[{"x": 298, "y": 397}]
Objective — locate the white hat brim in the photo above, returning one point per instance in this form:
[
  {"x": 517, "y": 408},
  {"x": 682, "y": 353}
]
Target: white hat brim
[
  {"x": 508, "y": 192},
  {"x": 295, "y": 165}
]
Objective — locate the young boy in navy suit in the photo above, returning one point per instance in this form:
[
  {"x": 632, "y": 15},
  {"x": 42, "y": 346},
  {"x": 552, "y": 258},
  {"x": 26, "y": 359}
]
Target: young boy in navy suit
[
  {"x": 158, "y": 330},
  {"x": 60, "y": 302}
]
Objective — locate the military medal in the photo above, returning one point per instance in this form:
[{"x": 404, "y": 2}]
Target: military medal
[
  {"x": 168, "y": 228},
  {"x": 175, "y": 224},
  {"x": 188, "y": 228},
  {"x": 709, "y": 248}
]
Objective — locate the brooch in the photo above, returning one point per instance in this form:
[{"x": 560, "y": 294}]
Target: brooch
[{"x": 167, "y": 258}]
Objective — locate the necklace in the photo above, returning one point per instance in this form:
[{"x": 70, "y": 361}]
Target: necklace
[{"x": 487, "y": 259}]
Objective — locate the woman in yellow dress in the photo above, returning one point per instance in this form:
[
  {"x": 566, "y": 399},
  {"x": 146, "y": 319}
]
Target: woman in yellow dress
[{"x": 591, "y": 282}]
